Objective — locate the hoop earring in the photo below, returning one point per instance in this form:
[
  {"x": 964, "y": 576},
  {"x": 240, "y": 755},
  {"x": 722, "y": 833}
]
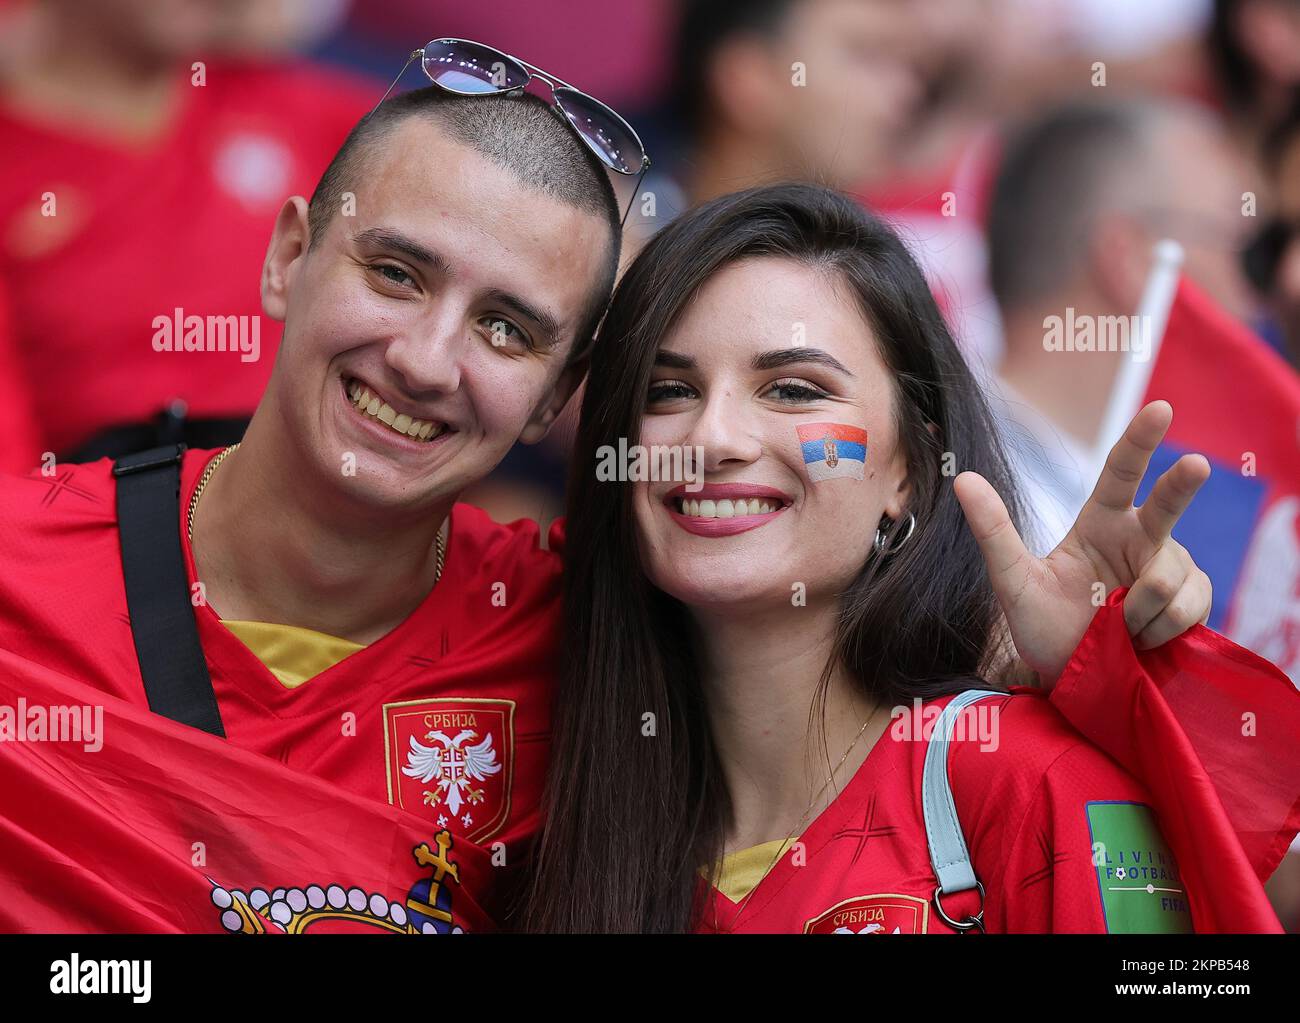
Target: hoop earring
[{"x": 884, "y": 548}]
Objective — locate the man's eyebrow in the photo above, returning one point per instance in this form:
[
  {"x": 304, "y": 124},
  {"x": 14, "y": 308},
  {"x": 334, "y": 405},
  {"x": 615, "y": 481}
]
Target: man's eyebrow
[
  {"x": 792, "y": 356},
  {"x": 672, "y": 360},
  {"x": 384, "y": 238},
  {"x": 544, "y": 323}
]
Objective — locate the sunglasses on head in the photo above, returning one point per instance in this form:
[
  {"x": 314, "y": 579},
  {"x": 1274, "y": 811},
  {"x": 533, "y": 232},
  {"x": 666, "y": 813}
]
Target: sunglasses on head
[{"x": 467, "y": 68}]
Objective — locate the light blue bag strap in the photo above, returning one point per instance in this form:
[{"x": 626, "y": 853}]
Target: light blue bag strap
[{"x": 948, "y": 852}]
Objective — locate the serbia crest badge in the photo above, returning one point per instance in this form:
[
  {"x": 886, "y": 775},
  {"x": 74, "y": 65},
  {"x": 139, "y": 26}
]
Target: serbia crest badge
[
  {"x": 873, "y": 914},
  {"x": 452, "y": 759}
]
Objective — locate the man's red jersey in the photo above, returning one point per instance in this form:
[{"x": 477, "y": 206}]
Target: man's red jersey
[
  {"x": 1060, "y": 836},
  {"x": 446, "y": 717}
]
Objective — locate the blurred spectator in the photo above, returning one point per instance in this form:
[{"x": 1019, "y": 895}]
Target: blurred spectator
[
  {"x": 984, "y": 62},
  {"x": 1255, "y": 49},
  {"x": 1273, "y": 258},
  {"x": 1044, "y": 51},
  {"x": 148, "y": 147},
  {"x": 20, "y": 449},
  {"x": 1081, "y": 198},
  {"x": 769, "y": 90}
]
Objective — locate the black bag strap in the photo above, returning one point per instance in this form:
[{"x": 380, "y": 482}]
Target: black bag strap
[{"x": 172, "y": 664}]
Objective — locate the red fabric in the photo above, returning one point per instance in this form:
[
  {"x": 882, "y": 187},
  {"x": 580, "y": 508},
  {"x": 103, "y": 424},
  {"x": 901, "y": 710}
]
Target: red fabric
[
  {"x": 164, "y": 827},
  {"x": 1204, "y": 346},
  {"x": 139, "y": 231},
  {"x": 1214, "y": 732},
  {"x": 1023, "y": 807},
  {"x": 19, "y": 444},
  {"x": 1237, "y": 402},
  {"x": 477, "y": 655}
]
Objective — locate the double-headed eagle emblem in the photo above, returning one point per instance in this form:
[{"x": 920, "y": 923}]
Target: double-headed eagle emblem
[{"x": 454, "y": 766}]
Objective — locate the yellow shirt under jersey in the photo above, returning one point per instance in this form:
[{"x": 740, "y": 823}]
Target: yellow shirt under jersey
[
  {"x": 740, "y": 872},
  {"x": 291, "y": 654}
]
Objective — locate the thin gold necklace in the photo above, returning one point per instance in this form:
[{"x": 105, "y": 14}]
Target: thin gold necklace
[
  {"x": 781, "y": 850},
  {"x": 207, "y": 476}
]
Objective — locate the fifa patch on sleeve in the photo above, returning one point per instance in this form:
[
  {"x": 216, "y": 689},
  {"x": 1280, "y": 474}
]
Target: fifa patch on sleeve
[
  {"x": 1141, "y": 890},
  {"x": 832, "y": 450}
]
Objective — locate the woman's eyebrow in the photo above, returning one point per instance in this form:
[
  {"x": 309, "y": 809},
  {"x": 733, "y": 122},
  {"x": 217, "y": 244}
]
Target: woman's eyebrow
[
  {"x": 672, "y": 360},
  {"x": 790, "y": 356}
]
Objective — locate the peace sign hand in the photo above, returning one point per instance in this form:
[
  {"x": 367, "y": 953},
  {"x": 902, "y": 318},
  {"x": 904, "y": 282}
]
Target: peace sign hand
[{"x": 1049, "y": 602}]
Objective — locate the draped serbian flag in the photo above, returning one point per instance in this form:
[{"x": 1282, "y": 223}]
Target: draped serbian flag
[
  {"x": 1213, "y": 731},
  {"x": 114, "y": 819},
  {"x": 1238, "y": 403}
]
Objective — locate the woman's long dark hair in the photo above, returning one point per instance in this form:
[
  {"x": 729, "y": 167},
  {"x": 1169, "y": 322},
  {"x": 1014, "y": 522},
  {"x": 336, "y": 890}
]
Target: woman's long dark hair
[{"x": 637, "y": 803}]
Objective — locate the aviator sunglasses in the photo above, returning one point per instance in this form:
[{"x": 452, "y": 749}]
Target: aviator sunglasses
[{"x": 467, "y": 68}]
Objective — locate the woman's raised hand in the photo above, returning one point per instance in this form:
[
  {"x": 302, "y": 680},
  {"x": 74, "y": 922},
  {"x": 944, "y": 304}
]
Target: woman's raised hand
[{"x": 1049, "y": 602}]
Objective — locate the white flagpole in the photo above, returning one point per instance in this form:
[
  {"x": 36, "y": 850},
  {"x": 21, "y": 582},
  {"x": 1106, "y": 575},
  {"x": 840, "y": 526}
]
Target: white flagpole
[{"x": 1135, "y": 370}]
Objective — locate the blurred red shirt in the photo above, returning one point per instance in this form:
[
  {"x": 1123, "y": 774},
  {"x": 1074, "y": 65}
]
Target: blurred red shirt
[{"x": 140, "y": 231}]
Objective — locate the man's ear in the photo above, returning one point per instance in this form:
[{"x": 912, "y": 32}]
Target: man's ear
[
  {"x": 1119, "y": 257},
  {"x": 550, "y": 409},
  {"x": 288, "y": 246}
]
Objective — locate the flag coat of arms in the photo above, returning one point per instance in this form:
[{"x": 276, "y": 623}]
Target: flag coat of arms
[
  {"x": 833, "y": 450},
  {"x": 1238, "y": 404}
]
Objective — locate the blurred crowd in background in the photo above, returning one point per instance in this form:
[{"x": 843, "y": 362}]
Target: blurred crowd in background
[{"x": 1031, "y": 152}]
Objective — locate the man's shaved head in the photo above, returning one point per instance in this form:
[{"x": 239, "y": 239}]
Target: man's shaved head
[{"x": 521, "y": 134}]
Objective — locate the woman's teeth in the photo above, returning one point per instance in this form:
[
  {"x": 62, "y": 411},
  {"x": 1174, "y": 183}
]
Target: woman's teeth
[
  {"x": 725, "y": 509},
  {"x": 363, "y": 401}
]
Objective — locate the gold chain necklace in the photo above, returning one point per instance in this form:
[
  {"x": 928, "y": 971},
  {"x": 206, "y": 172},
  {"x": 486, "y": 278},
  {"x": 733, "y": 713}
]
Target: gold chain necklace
[
  {"x": 781, "y": 851},
  {"x": 212, "y": 467},
  {"x": 198, "y": 491}
]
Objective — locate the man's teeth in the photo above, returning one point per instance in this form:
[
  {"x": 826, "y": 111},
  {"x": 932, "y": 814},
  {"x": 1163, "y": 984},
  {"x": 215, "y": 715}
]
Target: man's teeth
[
  {"x": 725, "y": 509},
  {"x": 364, "y": 401}
]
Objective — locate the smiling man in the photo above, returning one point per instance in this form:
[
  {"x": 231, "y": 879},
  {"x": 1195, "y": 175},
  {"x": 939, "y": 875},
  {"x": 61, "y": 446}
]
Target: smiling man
[
  {"x": 356, "y": 623},
  {"x": 453, "y": 301}
]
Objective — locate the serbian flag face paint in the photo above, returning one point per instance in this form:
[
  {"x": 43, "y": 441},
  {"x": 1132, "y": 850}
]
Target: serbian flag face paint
[{"x": 832, "y": 450}]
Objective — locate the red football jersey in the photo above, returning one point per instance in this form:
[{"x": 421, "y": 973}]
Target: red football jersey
[
  {"x": 1059, "y": 835},
  {"x": 98, "y": 238},
  {"x": 463, "y": 684}
]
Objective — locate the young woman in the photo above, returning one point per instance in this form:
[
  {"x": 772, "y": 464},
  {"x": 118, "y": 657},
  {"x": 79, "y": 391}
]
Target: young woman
[{"x": 755, "y": 667}]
